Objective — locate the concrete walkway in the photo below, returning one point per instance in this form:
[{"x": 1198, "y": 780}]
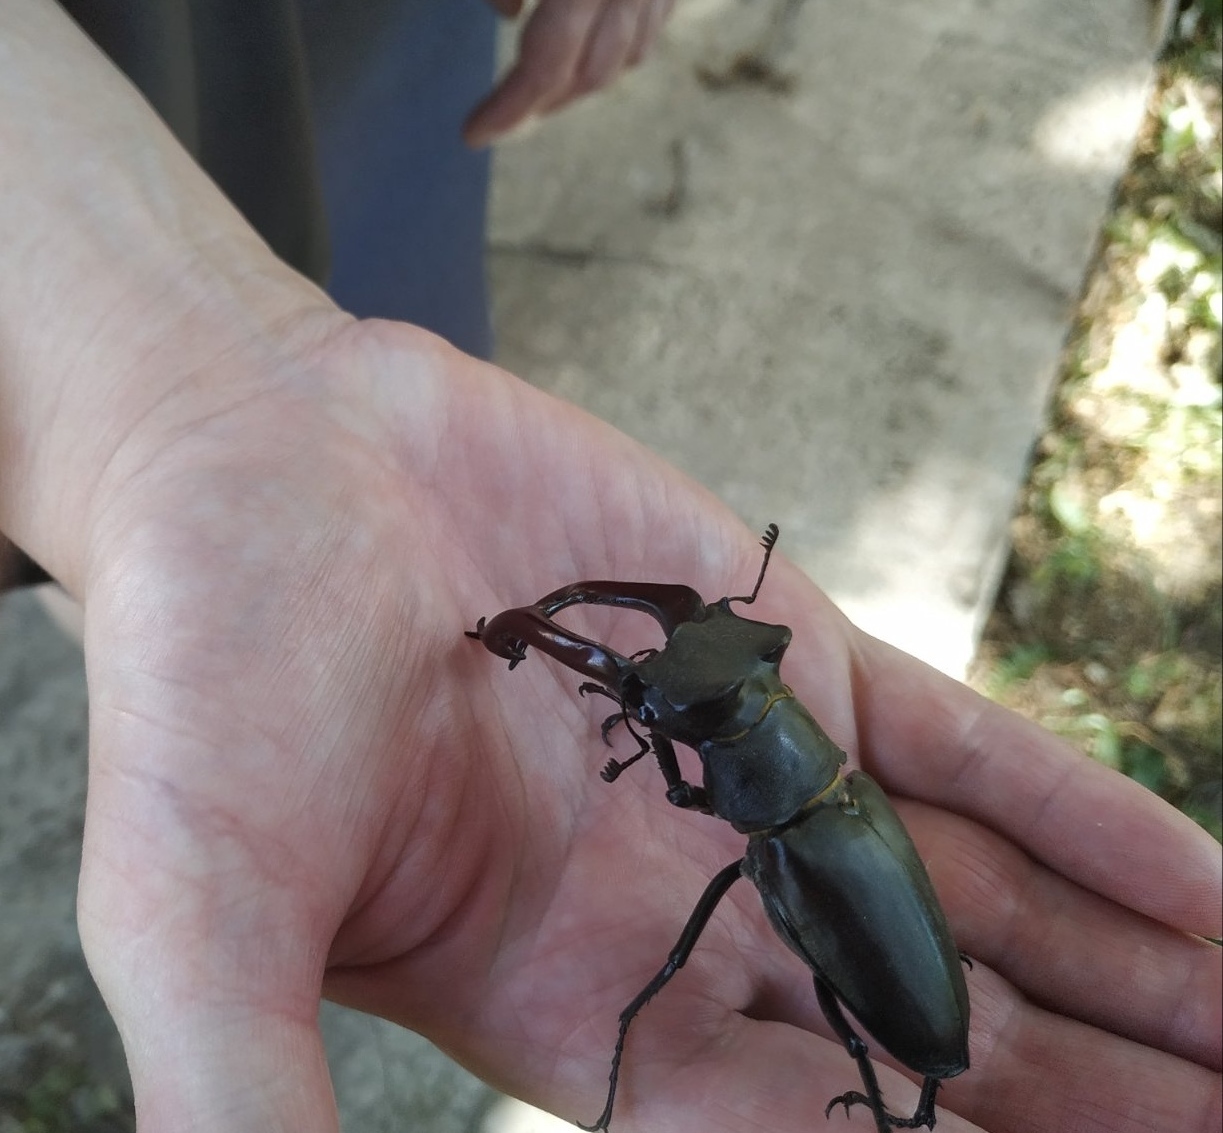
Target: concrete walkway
[
  {"x": 823, "y": 257},
  {"x": 820, "y": 255}
]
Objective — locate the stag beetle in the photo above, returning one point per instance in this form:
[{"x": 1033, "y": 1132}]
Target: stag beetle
[{"x": 841, "y": 880}]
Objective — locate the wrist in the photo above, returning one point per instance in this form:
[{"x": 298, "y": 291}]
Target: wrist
[{"x": 131, "y": 281}]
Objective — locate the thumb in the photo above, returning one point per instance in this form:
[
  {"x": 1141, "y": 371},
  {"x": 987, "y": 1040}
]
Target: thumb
[
  {"x": 216, "y": 1067},
  {"x": 212, "y": 979}
]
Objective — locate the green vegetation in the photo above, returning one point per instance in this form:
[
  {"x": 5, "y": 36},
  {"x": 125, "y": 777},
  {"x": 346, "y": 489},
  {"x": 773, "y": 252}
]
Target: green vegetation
[
  {"x": 1110, "y": 621},
  {"x": 64, "y": 1099}
]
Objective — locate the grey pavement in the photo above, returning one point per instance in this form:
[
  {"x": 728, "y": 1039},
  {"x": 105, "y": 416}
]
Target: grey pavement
[
  {"x": 822, "y": 256},
  {"x": 835, "y": 294}
]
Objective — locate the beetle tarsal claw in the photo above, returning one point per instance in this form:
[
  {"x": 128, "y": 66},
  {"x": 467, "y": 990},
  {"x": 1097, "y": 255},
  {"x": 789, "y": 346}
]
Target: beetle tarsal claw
[
  {"x": 517, "y": 654},
  {"x": 608, "y": 724},
  {"x": 847, "y": 1100},
  {"x": 854, "y": 1097}
]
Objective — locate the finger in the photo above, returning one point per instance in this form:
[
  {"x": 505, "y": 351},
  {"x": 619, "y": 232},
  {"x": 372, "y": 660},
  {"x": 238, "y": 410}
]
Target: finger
[
  {"x": 204, "y": 961},
  {"x": 549, "y": 52},
  {"x": 649, "y": 24},
  {"x": 210, "y": 1046},
  {"x": 215, "y": 1071},
  {"x": 935, "y": 740},
  {"x": 1033, "y": 1071},
  {"x": 607, "y": 50},
  {"x": 1069, "y": 949}
]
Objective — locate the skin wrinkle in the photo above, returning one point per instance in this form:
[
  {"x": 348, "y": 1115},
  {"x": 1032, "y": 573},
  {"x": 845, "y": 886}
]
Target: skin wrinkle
[
  {"x": 1017, "y": 915},
  {"x": 1035, "y": 815},
  {"x": 430, "y": 827},
  {"x": 972, "y": 882},
  {"x": 715, "y": 973},
  {"x": 1005, "y": 1022},
  {"x": 203, "y": 301},
  {"x": 863, "y": 746},
  {"x": 110, "y": 477},
  {"x": 1021, "y": 894},
  {"x": 1191, "y": 1002},
  {"x": 196, "y": 819},
  {"x": 349, "y": 969},
  {"x": 199, "y": 821},
  {"x": 967, "y": 767},
  {"x": 1024, "y": 1034},
  {"x": 553, "y": 963},
  {"x": 354, "y": 645},
  {"x": 1048, "y": 799}
]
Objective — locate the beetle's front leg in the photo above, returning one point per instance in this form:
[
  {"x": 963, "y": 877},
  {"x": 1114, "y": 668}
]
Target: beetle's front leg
[
  {"x": 680, "y": 792},
  {"x": 613, "y": 768}
]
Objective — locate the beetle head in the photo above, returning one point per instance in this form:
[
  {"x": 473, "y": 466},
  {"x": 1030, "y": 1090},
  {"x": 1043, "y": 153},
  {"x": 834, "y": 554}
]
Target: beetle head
[{"x": 704, "y": 682}]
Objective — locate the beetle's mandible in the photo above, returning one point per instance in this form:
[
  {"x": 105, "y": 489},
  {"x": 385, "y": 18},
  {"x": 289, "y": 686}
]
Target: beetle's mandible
[{"x": 840, "y": 878}]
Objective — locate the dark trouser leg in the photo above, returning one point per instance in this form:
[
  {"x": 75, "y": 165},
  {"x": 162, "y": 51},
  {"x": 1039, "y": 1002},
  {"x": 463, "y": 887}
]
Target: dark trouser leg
[{"x": 392, "y": 81}]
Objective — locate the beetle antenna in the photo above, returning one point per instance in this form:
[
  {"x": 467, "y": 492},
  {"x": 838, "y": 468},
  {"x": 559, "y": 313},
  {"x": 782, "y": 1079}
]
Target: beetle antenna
[{"x": 768, "y": 542}]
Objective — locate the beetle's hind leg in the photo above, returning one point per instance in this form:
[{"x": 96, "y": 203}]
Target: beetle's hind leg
[
  {"x": 923, "y": 1116},
  {"x": 697, "y": 920}
]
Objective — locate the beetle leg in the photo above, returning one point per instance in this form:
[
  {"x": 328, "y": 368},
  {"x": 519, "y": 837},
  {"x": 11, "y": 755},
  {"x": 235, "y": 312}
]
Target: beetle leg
[
  {"x": 680, "y": 792},
  {"x": 608, "y": 724},
  {"x": 592, "y": 686},
  {"x": 923, "y": 1116},
  {"x": 697, "y": 920},
  {"x": 615, "y": 718},
  {"x": 613, "y": 768},
  {"x": 858, "y": 1052}
]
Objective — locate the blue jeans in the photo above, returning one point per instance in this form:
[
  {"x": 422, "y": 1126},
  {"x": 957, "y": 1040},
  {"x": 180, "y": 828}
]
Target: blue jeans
[{"x": 391, "y": 82}]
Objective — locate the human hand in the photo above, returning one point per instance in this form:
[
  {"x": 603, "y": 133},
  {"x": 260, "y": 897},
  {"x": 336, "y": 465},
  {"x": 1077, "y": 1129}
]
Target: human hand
[
  {"x": 304, "y": 778},
  {"x": 568, "y": 48}
]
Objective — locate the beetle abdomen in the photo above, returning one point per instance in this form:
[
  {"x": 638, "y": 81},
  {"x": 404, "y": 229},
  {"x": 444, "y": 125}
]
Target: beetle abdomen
[{"x": 846, "y": 889}]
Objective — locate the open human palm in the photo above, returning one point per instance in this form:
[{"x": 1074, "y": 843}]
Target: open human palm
[{"x": 305, "y": 780}]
